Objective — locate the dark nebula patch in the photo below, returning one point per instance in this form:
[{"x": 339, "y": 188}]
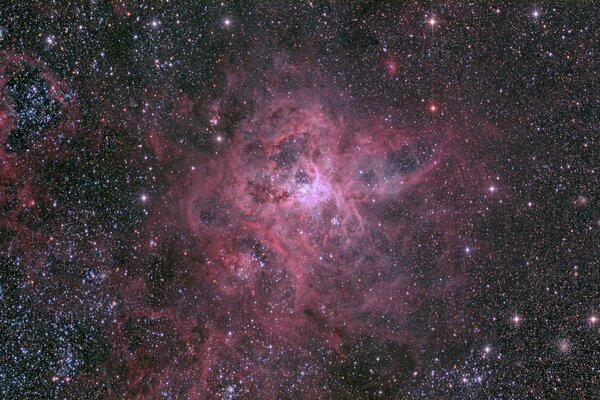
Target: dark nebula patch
[
  {"x": 370, "y": 369},
  {"x": 400, "y": 162}
]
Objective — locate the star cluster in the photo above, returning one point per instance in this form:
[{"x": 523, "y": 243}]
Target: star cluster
[{"x": 299, "y": 200}]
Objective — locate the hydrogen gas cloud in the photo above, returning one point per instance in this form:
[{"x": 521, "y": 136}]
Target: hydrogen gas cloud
[{"x": 298, "y": 200}]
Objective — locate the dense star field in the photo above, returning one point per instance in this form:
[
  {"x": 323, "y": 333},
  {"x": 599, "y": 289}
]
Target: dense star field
[{"x": 299, "y": 200}]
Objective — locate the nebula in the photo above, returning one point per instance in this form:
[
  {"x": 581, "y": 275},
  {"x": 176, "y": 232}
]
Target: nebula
[
  {"x": 308, "y": 238},
  {"x": 314, "y": 233},
  {"x": 298, "y": 200}
]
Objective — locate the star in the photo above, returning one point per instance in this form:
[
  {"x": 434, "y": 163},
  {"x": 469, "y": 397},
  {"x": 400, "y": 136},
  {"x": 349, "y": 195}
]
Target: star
[{"x": 516, "y": 319}]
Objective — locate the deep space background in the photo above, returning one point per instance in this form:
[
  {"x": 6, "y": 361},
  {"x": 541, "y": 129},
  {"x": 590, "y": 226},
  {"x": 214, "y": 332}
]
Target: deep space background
[{"x": 299, "y": 200}]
